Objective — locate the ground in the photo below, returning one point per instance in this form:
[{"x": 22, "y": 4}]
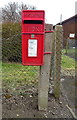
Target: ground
[
  {"x": 21, "y": 100},
  {"x": 25, "y": 105}
]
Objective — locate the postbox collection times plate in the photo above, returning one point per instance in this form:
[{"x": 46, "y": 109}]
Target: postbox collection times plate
[{"x": 32, "y": 48}]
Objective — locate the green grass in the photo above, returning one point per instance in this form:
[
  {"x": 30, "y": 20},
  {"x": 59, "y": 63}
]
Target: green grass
[
  {"x": 73, "y": 50},
  {"x": 16, "y": 75},
  {"x": 68, "y": 63},
  {"x": 70, "y": 50}
]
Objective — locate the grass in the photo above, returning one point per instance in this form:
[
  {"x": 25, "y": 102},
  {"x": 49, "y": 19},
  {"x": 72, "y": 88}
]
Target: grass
[
  {"x": 68, "y": 63},
  {"x": 70, "y": 50},
  {"x": 15, "y": 75}
]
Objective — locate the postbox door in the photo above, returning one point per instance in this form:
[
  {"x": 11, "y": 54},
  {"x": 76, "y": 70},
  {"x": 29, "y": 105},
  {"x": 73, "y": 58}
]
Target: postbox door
[{"x": 33, "y": 49}]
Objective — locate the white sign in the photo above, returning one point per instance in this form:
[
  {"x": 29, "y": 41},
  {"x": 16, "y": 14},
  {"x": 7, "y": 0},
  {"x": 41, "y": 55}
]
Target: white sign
[
  {"x": 32, "y": 47},
  {"x": 71, "y": 35}
]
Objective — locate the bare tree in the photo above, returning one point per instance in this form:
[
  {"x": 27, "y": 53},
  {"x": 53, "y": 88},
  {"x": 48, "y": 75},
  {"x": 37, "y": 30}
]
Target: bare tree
[{"x": 12, "y": 11}]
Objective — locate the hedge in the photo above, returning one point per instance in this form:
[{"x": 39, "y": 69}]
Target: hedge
[{"x": 11, "y": 42}]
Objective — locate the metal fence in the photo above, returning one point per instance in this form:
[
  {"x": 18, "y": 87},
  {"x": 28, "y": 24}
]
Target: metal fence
[
  {"x": 64, "y": 79},
  {"x": 71, "y": 48}
]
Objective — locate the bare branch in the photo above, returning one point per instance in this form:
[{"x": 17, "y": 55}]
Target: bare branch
[{"x": 12, "y": 11}]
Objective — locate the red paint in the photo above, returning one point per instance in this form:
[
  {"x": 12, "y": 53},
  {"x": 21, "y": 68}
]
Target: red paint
[
  {"x": 33, "y": 29},
  {"x": 49, "y": 31},
  {"x": 47, "y": 52}
]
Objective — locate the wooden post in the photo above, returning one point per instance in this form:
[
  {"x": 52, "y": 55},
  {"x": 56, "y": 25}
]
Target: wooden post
[
  {"x": 52, "y": 58},
  {"x": 66, "y": 47},
  {"x": 57, "y": 60},
  {"x": 0, "y": 66},
  {"x": 44, "y": 75}
]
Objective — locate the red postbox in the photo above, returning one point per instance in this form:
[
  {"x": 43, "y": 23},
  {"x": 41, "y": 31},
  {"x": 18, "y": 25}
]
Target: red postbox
[{"x": 33, "y": 37}]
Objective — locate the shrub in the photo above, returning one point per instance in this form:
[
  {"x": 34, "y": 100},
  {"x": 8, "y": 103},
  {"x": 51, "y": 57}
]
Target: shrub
[{"x": 11, "y": 42}]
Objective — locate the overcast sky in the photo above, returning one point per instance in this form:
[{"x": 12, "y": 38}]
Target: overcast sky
[{"x": 53, "y": 8}]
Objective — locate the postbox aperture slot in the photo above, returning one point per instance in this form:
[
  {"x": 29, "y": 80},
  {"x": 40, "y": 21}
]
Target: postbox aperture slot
[{"x": 33, "y": 22}]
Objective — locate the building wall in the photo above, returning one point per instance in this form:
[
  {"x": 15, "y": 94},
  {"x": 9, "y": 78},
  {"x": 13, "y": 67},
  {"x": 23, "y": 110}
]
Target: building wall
[
  {"x": 68, "y": 27},
  {"x": 76, "y": 27}
]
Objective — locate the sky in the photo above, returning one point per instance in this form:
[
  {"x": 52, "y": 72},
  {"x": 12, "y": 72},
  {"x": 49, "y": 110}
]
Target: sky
[{"x": 54, "y": 9}]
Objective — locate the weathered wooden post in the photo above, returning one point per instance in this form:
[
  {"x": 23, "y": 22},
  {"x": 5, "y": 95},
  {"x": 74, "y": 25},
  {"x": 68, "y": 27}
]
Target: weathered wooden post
[
  {"x": 67, "y": 46},
  {"x": 57, "y": 59},
  {"x": 45, "y": 72},
  {"x": 52, "y": 58},
  {"x": 0, "y": 65}
]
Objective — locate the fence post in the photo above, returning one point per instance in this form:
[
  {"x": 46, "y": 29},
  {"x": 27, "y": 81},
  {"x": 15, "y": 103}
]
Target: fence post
[
  {"x": 0, "y": 65},
  {"x": 57, "y": 59},
  {"x": 66, "y": 46},
  {"x": 43, "y": 85},
  {"x": 52, "y": 58}
]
